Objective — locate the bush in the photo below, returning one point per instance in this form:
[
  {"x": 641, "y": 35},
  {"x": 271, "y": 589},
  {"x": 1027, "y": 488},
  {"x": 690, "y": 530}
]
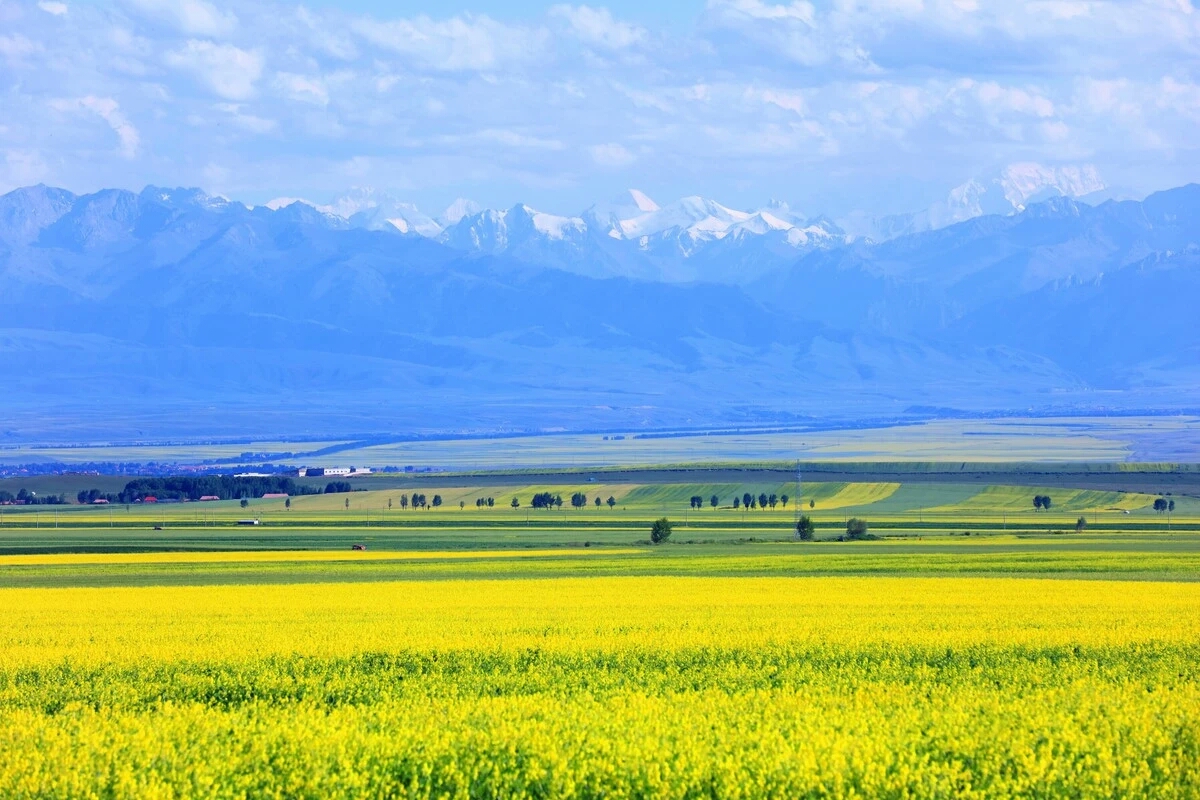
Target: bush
[
  {"x": 660, "y": 531},
  {"x": 856, "y": 529},
  {"x": 805, "y": 530}
]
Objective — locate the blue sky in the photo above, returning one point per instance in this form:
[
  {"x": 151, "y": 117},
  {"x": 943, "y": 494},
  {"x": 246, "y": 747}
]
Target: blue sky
[{"x": 880, "y": 105}]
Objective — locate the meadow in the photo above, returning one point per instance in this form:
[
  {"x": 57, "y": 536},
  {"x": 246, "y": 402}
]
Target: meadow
[
  {"x": 1046, "y": 440},
  {"x": 580, "y": 685},
  {"x": 978, "y": 648}
]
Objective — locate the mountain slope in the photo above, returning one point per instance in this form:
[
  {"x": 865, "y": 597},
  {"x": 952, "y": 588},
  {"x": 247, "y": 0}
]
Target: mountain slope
[{"x": 176, "y": 306}]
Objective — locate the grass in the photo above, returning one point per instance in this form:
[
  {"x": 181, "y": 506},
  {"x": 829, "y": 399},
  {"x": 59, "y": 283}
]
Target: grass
[{"x": 1043, "y": 440}]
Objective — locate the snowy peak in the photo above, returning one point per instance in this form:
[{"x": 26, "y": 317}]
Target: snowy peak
[
  {"x": 695, "y": 215},
  {"x": 1005, "y": 192},
  {"x": 642, "y": 202},
  {"x": 457, "y": 210},
  {"x": 494, "y": 232},
  {"x": 1027, "y": 182}
]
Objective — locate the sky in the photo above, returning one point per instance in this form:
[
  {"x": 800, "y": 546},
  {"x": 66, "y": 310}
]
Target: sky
[{"x": 873, "y": 105}]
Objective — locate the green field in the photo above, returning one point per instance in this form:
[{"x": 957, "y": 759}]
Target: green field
[
  {"x": 1045, "y": 440},
  {"x": 976, "y": 648}
]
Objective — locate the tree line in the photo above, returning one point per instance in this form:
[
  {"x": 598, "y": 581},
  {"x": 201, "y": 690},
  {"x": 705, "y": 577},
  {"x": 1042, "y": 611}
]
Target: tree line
[
  {"x": 224, "y": 487},
  {"x": 28, "y": 498}
]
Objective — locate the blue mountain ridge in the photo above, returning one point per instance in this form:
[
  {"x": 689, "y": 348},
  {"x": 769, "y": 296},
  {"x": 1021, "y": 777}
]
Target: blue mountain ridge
[{"x": 182, "y": 310}]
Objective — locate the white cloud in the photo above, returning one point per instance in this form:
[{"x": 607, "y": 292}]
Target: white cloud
[
  {"x": 248, "y": 122},
  {"x": 596, "y": 26},
  {"x": 756, "y": 9},
  {"x": 52, "y": 7},
  {"x": 1002, "y": 98},
  {"x": 229, "y": 71},
  {"x": 110, "y": 111},
  {"x": 302, "y": 88},
  {"x": 611, "y": 155},
  {"x": 460, "y": 43},
  {"x": 789, "y": 101},
  {"x": 16, "y": 47},
  {"x": 191, "y": 17}
]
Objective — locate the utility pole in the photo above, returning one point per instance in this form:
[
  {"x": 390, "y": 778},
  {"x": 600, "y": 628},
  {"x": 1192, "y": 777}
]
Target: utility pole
[{"x": 799, "y": 502}]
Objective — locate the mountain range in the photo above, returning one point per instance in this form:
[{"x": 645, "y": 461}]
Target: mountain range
[{"x": 173, "y": 311}]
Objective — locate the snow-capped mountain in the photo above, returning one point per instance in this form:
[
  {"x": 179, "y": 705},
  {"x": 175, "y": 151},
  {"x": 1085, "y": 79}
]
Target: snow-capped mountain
[
  {"x": 175, "y": 295},
  {"x": 694, "y": 238},
  {"x": 1004, "y": 192}
]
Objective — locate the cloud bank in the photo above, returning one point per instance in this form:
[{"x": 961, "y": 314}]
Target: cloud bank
[{"x": 850, "y": 103}]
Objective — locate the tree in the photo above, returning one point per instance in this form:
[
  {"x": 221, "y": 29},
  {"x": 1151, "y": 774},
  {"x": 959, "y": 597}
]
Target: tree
[
  {"x": 245, "y": 502},
  {"x": 462, "y": 504},
  {"x": 805, "y": 530},
  {"x": 558, "y": 501},
  {"x": 762, "y": 500},
  {"x": 599, "y": 502},
  {"x": 772, "y": 500},
  {"x": 1081, "y": 525},
  {"x": 1037, "y": 502},
  {"x": 491, "y": 501},
  {"x": 660, "y": 531},
  {"x": 783, "y": 499},
  {"x": 737, "y": 503},
  {"x": 1170, "y": 506},
  {"x": 1046, "y": 502},
  {"x": 403, "y": 501},
  {"x": 714, "y": 501},
  {"x": 437, "y": 500},
  {"x": 697, "y": 501},
  {"x": 747, "y": 499},
  {"x": 347, "y": 503},
  {"x": 515, "y": 503},
  {"x": 389, "y": 504},
  {"x": 578, "y": 500},
  {"x": 288, "y": 504},
  {"x": 612, "y": 501},
  {"x": 856, "y": 529}
]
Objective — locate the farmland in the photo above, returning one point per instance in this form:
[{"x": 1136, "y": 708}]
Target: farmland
[
  {"x": 579, "y": 685},
  {"x": 977, "y": 648}
]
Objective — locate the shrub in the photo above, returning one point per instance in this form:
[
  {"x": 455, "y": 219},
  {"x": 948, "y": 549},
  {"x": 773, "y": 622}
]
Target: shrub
[
  {"x": 805, "y": 529},
  {"x": 856, "y": 529}
]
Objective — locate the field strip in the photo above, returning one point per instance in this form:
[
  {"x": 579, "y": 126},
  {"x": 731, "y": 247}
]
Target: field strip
[{"x": 275, "y": 556}]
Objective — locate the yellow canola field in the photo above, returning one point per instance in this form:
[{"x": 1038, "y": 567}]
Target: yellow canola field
[
  {"x": 621, "y": 687},
  {"x": 221, "y": 622},
  {"x": 858, "y": 494}
]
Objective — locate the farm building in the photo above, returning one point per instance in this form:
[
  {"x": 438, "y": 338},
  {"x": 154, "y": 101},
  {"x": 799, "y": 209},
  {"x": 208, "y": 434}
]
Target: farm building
[
  {"x": 326, "y": 472},
  {"x": 208, "y": 498},
  {"x": 274, "y": 495}
]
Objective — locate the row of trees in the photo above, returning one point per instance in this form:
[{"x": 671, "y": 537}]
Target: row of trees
[
  {"x": 226, "y": 487},
  {"x": 747, "y": 500},
  {"x": 549, "y": 500},
  {"x": 1041, "y": 501},
  {"x": 26, "y": 497}
]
